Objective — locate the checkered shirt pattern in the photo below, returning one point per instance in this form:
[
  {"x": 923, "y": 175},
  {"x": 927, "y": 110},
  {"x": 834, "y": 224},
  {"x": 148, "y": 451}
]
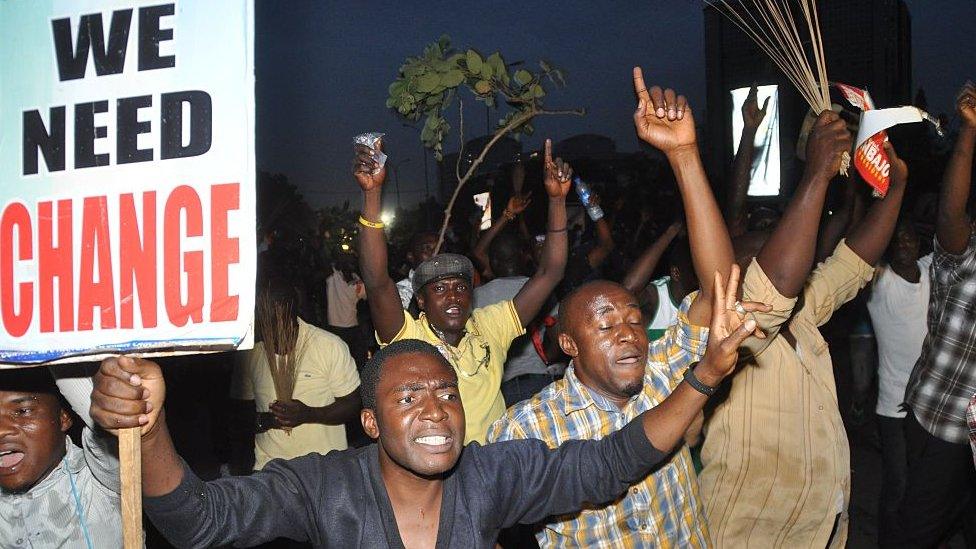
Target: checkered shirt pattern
[
  {"x": 944, "y": 378},
  {"x": 971, "y": 416},
  {"x": 663, "y": 509}
]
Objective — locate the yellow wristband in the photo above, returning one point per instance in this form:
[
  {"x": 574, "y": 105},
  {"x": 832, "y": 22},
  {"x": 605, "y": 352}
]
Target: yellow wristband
[{"x": 371, "y": 224}]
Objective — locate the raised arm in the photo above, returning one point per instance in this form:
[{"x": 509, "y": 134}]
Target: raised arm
[
  {"x": 870, "y": 237},
  {"x": 787, "y": 255},
  {"x": 752, "y": 117},
  {"x": 384, "y": 301},
  {"x": 640, "y": 272},
  {"x": 536, "y": 290},
  {"x": 516, "y": 205},
  {"x": 953, "y": 224},
  {"x": 604, "y": 238},
  {"x": 838, "y": 223},
  {"x": 665, "y": 121}
]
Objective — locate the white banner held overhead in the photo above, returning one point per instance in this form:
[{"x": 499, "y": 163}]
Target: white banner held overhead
[{"x": 127, "y": 177}]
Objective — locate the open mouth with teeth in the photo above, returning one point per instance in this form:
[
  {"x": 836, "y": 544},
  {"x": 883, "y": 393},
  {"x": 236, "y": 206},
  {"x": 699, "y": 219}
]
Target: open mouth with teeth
[
  {"x": 10, "y": 459},
  {"x": 453, "y": 310},
  {"x": 435, "y": 442}
]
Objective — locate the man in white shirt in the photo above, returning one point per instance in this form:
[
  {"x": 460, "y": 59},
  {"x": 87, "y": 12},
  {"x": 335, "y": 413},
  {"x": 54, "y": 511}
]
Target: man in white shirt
[{"x": 898, "y": 305}]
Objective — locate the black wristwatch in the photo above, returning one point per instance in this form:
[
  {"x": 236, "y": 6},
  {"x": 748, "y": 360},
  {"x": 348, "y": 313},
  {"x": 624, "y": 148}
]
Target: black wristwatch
[{"x": 696, "y": 383}]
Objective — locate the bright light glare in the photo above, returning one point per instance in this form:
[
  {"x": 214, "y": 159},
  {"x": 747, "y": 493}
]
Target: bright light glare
[
  {"x": 387, "y": 218},
  {"x": 345, "y": 247},
  {"x": 765, "y": 172}
]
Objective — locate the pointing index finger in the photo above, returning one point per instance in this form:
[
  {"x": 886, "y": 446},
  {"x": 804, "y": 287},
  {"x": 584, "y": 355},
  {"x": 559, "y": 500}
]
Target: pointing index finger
[
  {"x": 548, "y": 153},
  {"x": 639, "y": 88}
]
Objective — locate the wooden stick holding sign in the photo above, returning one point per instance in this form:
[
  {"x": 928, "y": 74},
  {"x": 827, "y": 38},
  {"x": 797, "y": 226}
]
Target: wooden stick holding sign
[{"x": 130, "y": 473}]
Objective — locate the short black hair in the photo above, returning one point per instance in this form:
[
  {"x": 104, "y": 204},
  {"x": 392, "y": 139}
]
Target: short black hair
[
  {"x": 563, "y": 322},
  {"x": 28, "y": 380},
  {"x": 32, "y": 380},
  {"x": 373, "y": 370}
]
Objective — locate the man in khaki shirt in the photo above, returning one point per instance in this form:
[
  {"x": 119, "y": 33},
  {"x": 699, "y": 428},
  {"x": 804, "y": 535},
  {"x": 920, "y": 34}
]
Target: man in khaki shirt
[{"x": 776, "y": 457}]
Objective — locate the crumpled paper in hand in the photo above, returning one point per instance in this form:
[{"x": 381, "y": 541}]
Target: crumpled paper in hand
[{"x": 370, "y": 139}]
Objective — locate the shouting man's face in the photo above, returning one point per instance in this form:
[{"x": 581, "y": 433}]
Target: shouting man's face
[
  {"x": 32, "y": 438},
  {"x": 418, "y": 417}
]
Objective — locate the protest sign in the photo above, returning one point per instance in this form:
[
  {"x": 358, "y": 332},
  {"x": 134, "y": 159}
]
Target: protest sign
[{"x": 127, "y": 178}]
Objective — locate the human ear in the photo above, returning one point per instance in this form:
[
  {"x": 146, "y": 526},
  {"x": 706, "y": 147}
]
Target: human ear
[
  {"x": 66, "y": 421},
  {"x": 368, "y": 419},
  {"x": 568, "y": 345}
]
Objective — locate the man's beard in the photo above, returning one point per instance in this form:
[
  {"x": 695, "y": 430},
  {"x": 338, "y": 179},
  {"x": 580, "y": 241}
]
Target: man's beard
[{"x": 634, "y": 388}]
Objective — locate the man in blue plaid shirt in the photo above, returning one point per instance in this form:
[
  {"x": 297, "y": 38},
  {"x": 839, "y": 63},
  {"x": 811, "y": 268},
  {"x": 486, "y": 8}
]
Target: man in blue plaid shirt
[{"x": 940, "y": 467}]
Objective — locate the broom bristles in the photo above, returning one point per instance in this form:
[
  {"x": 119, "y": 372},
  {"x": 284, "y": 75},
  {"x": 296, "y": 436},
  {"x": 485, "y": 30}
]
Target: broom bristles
[
  {"x": 772, "y": 25},
  {"x": 282, "y": 346},
  {"x": 775, "y": 32}
]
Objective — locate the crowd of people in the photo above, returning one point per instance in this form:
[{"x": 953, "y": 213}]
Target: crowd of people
[{"x": 538, "y": 389}]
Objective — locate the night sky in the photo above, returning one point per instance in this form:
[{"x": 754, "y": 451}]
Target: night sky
[{"x": 323, "y": 69}]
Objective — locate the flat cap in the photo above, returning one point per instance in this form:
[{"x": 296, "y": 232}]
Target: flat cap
[{"x": 442, "y": 266}]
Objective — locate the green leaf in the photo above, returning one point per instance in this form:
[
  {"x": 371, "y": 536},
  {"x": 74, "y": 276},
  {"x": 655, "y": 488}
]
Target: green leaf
[
  {"x": 397, "y": 87},
  {"x": 537, "y": 91},
  {"x": 444, "y": 42},
  {"x": 523, "y": 77},
  {"x": 482, "y": 87},
  {"x": 487, "y": 71},
  {"x": 497, "y": 63},
  {"x": 427, "y": 82},
  {"x": 413, "y": 70},
  {"x": 452, "y": 78},
  {"x": 474, "y": 62}
]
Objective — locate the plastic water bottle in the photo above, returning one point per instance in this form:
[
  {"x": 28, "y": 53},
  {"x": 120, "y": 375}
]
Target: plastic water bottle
[{"x": 583, "y": 190}]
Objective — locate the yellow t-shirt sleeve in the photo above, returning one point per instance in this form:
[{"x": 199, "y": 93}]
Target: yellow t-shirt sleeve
[
  {"x": 410, "y": 330},
  {"x": 498, "y": 323}
]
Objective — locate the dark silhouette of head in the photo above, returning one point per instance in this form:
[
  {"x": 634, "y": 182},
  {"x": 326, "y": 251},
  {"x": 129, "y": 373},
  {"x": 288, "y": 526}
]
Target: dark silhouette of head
[{"x": 508, "y": 255}]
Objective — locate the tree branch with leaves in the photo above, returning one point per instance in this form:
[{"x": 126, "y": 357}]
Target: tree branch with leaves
[{"x": 428, "y": 85}]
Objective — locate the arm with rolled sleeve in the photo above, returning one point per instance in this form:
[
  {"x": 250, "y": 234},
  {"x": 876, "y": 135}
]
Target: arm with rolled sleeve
[
  {"x": 683, "y": 343},
  {"x": 950, "y": 268},
  {"x": 756, "y": 286},
  {"x": 833, "y": 283}
]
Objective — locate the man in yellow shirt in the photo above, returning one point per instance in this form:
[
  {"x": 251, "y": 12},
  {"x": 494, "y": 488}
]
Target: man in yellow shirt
[
  {"x": 475, "y": 342},
  {"x": 326, "y": 393},
  {"x": 776, "y": 457}
]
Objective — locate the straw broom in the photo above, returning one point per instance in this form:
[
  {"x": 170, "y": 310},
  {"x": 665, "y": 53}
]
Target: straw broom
[
  {"x": 782, "y": 29},
  {"x": 279, "y": 329}
]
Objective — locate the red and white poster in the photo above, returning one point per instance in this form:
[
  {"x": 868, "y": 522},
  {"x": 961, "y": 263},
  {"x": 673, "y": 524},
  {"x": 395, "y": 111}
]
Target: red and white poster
[{"x": 127, "y": 178}]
